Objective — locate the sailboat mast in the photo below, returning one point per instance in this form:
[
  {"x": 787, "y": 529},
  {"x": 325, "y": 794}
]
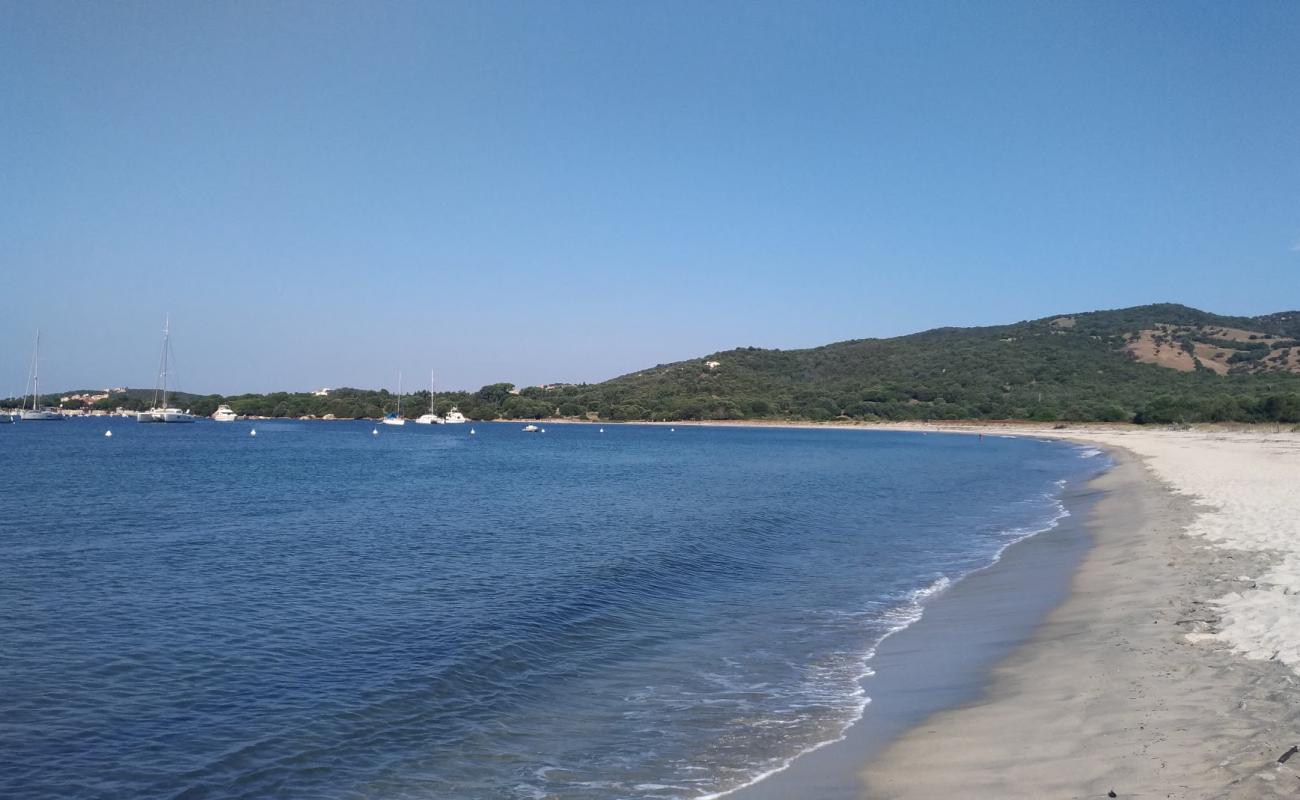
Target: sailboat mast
[
  {"x": 167, "y": 334},
  {"x": 36, "y": 371},
  {"x": 161, "y": 383},
  {"x": 399, "y": 394}
]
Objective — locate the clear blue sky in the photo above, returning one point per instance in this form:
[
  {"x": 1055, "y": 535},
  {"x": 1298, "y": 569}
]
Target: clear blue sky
[{"x": 325, "y": 193}]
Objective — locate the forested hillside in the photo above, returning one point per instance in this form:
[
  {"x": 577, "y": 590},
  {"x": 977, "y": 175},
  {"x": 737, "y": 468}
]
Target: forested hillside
[
  {"x": 1150, "y": 363},
  {"x": 1156, "y": 363}
]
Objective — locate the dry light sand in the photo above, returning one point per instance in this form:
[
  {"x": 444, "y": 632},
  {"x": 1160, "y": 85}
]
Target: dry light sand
[{"x": 1171, "y": 669}]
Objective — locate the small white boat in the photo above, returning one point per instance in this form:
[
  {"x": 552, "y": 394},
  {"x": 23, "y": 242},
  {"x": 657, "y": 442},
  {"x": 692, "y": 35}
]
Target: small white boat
[
  {"x": 454, "y": 417},
  {"x": 396, "y": 418},
  {"x": 224, "y": 414},
  {"x": 531, "y": 429},
  {"x": 37, "y": 413},
  {"x": 428, "y": 417}
]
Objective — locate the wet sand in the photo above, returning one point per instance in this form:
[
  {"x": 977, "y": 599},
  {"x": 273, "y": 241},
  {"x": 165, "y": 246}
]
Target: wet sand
[
  {"x": 1109, "y": 695},
  {"x": 944, "y": 658},
  {"x": 1161, "y": 672}
]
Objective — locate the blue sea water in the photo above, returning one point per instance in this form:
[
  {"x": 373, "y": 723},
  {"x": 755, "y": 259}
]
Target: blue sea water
[{"x": 319, "y": 611}]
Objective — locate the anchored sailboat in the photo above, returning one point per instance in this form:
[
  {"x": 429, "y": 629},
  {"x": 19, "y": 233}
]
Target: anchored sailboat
[
  {"x": 428, "y": 417},
  {"x": 38, "y": 412},
  {"x": 161, "y": 412},
  {"x": 396, "y": 418}
]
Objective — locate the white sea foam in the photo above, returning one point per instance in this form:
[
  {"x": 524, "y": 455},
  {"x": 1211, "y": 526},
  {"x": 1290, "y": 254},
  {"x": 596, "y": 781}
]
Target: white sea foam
[{"x": 899, "y": 619}]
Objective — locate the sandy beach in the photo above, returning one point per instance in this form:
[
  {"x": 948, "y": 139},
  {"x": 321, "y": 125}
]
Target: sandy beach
[{"x": 1169, "y": 669}]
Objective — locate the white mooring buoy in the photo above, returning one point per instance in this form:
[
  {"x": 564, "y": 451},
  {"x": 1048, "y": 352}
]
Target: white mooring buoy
[
  {"x": 602, "y": 430},
  {"x": 108, "y": 433},
  {"x": 471, "y": 431},
  {"x": 253, "y": 432},
  {"x": 374, "y": 432}
]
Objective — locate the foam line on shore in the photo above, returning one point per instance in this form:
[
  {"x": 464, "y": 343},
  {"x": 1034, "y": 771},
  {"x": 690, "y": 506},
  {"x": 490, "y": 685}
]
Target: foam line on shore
[
  {"x": 907, "y": 615},
  {"x": 1123, "y": 688}
]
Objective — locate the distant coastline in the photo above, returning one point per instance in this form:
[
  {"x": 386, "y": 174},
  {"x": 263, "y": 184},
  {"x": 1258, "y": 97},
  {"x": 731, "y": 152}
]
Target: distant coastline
[{"x": 1153, "y": 364}]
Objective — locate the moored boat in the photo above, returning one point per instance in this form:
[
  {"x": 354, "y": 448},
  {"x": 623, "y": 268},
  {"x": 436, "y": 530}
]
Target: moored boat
[
  {"x": 395, "y": 417},
  {"x": 161, "y": 412},
  {"x": 454, "y": 417},
  {"x": 428, "y": 417},
  {"x": 37, "y": 412}
]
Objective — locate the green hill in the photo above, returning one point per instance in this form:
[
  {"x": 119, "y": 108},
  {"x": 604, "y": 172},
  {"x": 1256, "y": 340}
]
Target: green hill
[
  {"x": 1156, "y": 363},
  {"x": 1149, "y": 363}
]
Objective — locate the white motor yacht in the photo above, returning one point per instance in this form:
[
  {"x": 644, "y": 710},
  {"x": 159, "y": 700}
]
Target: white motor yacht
[
  {"x": 224, "y": 414},
  {"x": 454, "y": 417}
]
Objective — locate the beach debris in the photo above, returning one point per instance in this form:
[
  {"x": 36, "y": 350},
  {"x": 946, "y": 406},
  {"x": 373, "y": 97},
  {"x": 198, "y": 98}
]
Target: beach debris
[
  {"x": 108, "y": 434},
  {"x": 1287, "y": 755}
]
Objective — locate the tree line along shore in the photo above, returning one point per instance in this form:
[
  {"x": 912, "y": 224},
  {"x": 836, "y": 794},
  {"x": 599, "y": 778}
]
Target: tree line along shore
[
  {"x": 589, "y": 402},
  {"x": 1160, "y": 364}
]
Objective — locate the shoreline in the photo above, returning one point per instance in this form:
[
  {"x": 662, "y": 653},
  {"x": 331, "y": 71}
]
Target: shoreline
[
  {"x": 1122, "y": 689},
  {"x": 1168, "y": 670},
  {"x": 943, "y": 658}
]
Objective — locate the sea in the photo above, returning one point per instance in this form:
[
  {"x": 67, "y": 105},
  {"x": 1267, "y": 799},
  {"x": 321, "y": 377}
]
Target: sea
[{"x": 352, "y": 610}]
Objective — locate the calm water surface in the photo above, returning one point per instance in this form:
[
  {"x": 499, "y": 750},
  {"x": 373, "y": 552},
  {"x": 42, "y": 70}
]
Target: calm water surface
[{"x": 189, "y": 611}]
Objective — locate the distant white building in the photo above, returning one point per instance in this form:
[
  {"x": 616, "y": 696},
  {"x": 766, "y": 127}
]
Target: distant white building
[
  {"x": 712, "y": 364},
  {"x": 322, "y": 392}
]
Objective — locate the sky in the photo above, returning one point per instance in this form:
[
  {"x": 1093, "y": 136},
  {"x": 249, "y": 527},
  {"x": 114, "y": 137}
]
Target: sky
[{"x": 327, "y": 193}]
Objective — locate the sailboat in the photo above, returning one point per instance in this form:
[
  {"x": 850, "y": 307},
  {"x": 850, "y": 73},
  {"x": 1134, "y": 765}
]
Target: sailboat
[
  {"x": 161, "y": 412},
  {"x": 37, "y": 413},
  {"x": 429, "y": 418},
  {"x": 396, "y": 418}
]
